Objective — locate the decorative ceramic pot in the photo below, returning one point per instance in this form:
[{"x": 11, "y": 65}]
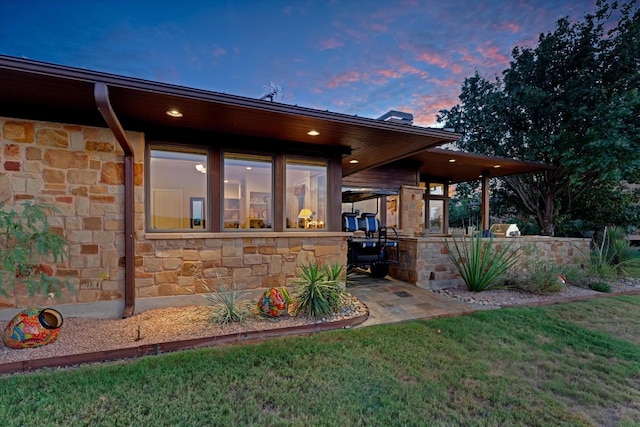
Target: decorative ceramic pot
[
  {"x": 33, "y": 327},
  {"x": 274, "y": 303}
]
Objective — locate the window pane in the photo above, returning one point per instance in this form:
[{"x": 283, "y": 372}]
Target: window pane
[
  {"x": 176, "y": 179},
  {"x": 436, "y": 189},
  {"x": 436, "y": 215},
  {"x": 306, "y": 196},
  {"x": 247, "y": 192}
]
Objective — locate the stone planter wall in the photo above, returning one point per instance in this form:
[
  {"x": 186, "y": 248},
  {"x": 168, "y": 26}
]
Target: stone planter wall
[{"x": 426, "y": 263}]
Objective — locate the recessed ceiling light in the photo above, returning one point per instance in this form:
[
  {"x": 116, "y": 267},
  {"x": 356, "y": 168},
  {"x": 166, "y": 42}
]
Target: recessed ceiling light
[
  {"x": 226, "y": 181},
  {"x": 313, "y": 132},
  {"x": 496, "y": 166},
  {"x": 174, "y": 113},
  {"x": 452, "y": 160},
  {"x": 353, "y": 162},
  {"x": 249, "y": 168}
]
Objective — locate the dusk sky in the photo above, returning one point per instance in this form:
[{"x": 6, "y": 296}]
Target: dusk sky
[{"x": 354, "y": 57}]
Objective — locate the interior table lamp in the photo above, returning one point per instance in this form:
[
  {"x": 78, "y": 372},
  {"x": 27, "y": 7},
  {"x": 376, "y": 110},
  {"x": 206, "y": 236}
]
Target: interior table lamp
[{"x": 304, "y": 216}]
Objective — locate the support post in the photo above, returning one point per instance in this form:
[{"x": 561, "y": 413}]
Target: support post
[{"x": 484, "y": 204}]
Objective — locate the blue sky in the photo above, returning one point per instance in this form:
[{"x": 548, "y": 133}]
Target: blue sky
[{"x": 360, "y": 57}]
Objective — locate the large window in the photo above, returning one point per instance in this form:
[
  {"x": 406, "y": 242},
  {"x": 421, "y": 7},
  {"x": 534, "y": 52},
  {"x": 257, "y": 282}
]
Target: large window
[
  {"x": 306, "y": 194},
  {"x": 177, "y": 190},
  {"x": 199, "y": 190},
  {"x": 247, "y": 192}
]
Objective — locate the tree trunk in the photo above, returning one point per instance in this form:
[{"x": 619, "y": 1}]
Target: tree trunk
[{"x": 547, "y": 226}]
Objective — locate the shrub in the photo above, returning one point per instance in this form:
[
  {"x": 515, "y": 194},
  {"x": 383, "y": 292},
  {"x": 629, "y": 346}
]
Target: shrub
[
  {"x": 321, "y": 290},
  {"x": 479, "y": 263},
  {"x": 600, "y": 287},
  {"x": 26, "y": 245},
  {"x": 541, "y": 278},
  {"x": 612, "y": 255}
]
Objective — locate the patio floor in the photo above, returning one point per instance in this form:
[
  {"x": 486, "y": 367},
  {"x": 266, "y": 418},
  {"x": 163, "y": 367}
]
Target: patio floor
[{"x": 391, "y": 301}]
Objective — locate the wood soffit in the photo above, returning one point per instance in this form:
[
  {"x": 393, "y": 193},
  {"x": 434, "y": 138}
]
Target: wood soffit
[{"x": 41, "y": 91}]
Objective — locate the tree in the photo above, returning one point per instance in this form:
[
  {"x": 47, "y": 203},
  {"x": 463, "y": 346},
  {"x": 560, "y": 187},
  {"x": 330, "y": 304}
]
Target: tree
[{"x": 572, "y": 102}]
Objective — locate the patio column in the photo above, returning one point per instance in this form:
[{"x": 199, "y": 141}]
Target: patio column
[{"x": 484, "y": 203}]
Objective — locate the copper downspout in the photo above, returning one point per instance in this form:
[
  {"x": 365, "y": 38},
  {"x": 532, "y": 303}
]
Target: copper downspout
[{"x": 101, "y": 94}]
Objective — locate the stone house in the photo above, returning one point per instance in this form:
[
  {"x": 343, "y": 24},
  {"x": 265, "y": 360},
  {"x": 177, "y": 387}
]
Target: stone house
[{"x": 163, "y": 189}]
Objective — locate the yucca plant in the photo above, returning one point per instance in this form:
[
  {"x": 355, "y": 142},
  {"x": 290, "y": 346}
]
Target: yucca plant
[
  {"x": 612, "y": 254},
  {"x": 479, "y": 263},
  {"x": 321, "y": 291}
]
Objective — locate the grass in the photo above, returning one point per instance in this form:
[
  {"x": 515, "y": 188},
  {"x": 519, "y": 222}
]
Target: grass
[{"x": 570, "y": 364}]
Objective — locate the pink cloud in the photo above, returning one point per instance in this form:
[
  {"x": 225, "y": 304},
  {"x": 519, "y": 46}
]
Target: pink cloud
[
  {"x": 343, "y": 79},
  {"x": 440, "y": 61},
  {"x": 492, "y": 53},
  {"x": 433, "y": 59},
  {"x": 510, "y": 26},
  {"x": 390, "y": 73},
  {"x": 331, "y": 43},
  {"x": 426, "y": 107}
]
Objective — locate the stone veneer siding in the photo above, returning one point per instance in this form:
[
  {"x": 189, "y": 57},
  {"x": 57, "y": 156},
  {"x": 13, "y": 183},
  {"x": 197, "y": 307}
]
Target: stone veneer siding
[
  {"x": 172, "y": 265},
  {"x": 80, "y": 170},
  {"x": 426, "y": 263},
  {"x": 411, "y": 210}
]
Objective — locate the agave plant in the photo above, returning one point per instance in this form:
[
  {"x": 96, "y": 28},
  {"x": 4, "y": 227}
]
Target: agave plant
[
  {"x": 479, "y": 263},
  {"x": 227, "y": 305},
  {"x": 321, "y": 290}
]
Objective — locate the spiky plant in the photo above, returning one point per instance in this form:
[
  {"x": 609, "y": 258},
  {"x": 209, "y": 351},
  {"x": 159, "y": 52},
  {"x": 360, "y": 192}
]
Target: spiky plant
[
  {"x": 612, "y": 254},
  {"x": 320, "y": 293},
  {"x": 227, "y": 305},
  {"x": 479, "y": 263}
]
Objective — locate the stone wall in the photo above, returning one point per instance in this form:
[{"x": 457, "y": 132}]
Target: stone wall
[
  {"x": 411, "y": 210},
  {"x": 80, "y": 170},
  {"x": 172, "y": 265},
  {"x": 426, "y": 263}
]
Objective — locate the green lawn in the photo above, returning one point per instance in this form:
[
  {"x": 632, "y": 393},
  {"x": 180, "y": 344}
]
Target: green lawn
[{"x": 569, "y": 364}]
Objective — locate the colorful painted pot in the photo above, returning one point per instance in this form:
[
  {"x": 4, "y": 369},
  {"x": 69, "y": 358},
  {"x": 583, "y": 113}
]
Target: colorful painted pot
[
  {"x": 33, "y": 327},
  {"x": 274, "y": 303}
]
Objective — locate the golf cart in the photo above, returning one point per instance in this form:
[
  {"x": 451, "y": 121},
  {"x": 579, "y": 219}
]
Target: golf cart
[{"x": 371, "y": 246}]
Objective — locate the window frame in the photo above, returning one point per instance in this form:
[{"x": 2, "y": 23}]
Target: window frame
[
  {"x": 320, "y": 224},
  {"x": 148, "y": 190},
  {"x": 221, "y": 205}
]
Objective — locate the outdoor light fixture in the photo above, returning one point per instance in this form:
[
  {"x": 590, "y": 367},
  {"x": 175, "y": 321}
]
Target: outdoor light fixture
[
  {"x": 174, "y": 113},
  {"x": 201, "y": 168},
  {"x": 353, "y": 162},
  {"x": 313, "y": 132}
]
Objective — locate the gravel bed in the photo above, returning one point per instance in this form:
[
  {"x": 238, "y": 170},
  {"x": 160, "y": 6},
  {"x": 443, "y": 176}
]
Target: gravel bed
[
  {"x": 83, "y": 335},
  {"x": 80, "y": 335},
  {"x": 515, "y": 297}
]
